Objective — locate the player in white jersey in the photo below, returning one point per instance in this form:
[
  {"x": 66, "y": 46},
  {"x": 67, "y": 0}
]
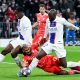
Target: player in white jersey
[
  {"x": 54, "y": 28},
  {"x": 25, "y": 37}
]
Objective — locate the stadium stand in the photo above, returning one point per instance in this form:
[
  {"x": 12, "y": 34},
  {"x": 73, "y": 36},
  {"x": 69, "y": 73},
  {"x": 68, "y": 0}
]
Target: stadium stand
[{"x": 8, "y": 18}]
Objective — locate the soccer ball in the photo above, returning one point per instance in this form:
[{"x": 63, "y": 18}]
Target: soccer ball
[{"x": 26, "y": 71}]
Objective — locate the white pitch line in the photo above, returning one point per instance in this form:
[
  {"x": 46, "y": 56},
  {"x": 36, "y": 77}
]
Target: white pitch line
[{"x": 8, "y": 63}]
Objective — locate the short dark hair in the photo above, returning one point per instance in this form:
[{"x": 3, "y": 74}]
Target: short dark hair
[
  {"x": 42, "y": 5},
  {"x": 53, "y": 11},
  {"x": 19, "y": 9},
  {"x": 52, "y": 14}
]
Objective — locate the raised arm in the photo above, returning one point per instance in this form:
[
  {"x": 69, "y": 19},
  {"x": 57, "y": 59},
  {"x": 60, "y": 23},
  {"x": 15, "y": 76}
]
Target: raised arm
[{"x": 68, "y": 24}]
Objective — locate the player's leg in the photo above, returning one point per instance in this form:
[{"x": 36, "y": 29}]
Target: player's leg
[
  {"x": 37, "y": 41},
  {"x": 15, "y": 56},
  {"x": 67, "y": 37},
  {"x": 46, "y": 49},
  {"x": 63, "y": 62},
  {"x": 36, "y": 60},
  {"x": 5, "y": 51},
  {"x": 61, "y": 54},
  {"x": 76, "y": 68},
  {"x": 73, "y": 37},
  {"x": 69, "y": 72}
]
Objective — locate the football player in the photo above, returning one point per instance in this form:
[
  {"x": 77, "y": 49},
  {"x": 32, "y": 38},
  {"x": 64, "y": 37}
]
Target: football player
[{"x": 25, "y": 37}]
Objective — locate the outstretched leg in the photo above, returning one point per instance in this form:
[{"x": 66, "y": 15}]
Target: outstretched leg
[
  {"x": 15, "y": 56},
  {"x": 5, "y": 51}
]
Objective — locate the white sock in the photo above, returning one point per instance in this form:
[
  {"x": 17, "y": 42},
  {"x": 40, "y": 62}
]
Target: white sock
[
  {"x": 1, "y": 57},
  {"x": 33, "y": 63},
  {"x": 17, "y": 60},
  {"x": 72, "y": 64}
]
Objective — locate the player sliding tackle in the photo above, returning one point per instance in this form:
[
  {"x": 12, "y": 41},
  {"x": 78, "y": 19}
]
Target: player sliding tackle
[
  {"x": 48, "y": 63},
  {"x": 54, "y": 27}
]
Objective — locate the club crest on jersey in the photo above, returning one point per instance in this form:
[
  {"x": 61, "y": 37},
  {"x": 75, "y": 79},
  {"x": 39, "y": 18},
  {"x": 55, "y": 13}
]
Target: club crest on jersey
[
  {"x": 53, "y": 24},
  {"x": 52, "y": 28}
]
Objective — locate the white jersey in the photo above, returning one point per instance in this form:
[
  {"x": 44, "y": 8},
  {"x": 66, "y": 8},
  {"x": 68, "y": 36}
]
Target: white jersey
[
  {"x": 55, "y": 30},
  {"x": 25, "y": 29}
]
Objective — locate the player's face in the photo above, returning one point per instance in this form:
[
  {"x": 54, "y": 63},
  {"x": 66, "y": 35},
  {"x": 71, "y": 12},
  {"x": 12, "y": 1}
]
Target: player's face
[
  {"x": 42, "y": 10},
  {"x": 26, "y": 50}
]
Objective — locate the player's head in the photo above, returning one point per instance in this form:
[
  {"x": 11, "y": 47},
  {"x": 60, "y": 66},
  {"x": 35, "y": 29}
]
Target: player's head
[
  {"x": 42, "y": 8},
  {"x": 52, "y": 14},
  {"x": 19, "y": 12},
  {"x": 26, "y": 50}
]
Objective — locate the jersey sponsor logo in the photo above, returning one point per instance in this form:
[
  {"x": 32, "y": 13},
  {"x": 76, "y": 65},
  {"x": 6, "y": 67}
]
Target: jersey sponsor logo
[{"x": 52, "y": 29}]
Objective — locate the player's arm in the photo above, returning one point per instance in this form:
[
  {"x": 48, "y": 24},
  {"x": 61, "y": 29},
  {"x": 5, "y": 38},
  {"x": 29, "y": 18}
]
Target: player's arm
[
  {"x": 36, "y": 22},
  {"x": 35, "y": 25},
  {"x": 46, "y": 29},
  {"x": 69, "y": 25},
  {"x": 44, "y": 39}
]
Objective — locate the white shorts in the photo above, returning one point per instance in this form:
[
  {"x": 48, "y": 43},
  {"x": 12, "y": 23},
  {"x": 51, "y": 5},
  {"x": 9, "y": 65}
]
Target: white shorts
[
  {"x": 58, "y": 48},
  {"x": 20, "y": 42}
]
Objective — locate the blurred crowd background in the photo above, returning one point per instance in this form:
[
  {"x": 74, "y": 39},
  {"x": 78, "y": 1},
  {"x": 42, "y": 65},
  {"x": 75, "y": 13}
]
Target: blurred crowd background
[{"x": 31, "y": 7}]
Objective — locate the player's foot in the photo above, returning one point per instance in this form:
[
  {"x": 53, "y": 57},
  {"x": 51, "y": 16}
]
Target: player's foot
[
  {"x": 26, "y": 71},
  {"x": 66, "y": 45},
  {"x": 76, "y": 68},
  {"x": 20, "y": 74}
]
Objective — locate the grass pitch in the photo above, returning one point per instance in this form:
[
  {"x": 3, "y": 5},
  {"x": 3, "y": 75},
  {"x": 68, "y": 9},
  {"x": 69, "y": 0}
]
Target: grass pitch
[{"x": 8, "y": 68}]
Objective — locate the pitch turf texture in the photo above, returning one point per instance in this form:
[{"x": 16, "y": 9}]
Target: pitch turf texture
[{"x": 8, "y": 69}]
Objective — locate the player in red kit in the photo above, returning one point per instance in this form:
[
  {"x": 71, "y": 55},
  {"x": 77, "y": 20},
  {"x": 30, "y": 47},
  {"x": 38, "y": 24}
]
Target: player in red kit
[
  {"x": 48, "y": 63},
  {"x": 41, "y": 23}
]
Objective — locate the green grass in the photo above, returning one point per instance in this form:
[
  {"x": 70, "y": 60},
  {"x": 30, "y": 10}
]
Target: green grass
[{"x": 9, "y": 71}]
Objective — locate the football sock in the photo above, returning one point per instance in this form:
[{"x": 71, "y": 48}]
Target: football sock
[
  {"x": 17, "y": 60},
  {"x": 72, "y": 64},
  {"x": 1, "y": 57},
  {"x": 33, "y": 63}
]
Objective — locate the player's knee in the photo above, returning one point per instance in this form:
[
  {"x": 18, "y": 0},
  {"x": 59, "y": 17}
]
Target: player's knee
[
  {"x": 14, "y": 55},
  {"x": 41, "y": 54}
]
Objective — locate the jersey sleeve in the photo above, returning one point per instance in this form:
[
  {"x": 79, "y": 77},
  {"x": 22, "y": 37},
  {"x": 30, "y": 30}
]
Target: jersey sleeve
[
  {"x": 26, "y": 30},
  {"x": 26, "y": 24},
  {"x": 68, "y": 24}
]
